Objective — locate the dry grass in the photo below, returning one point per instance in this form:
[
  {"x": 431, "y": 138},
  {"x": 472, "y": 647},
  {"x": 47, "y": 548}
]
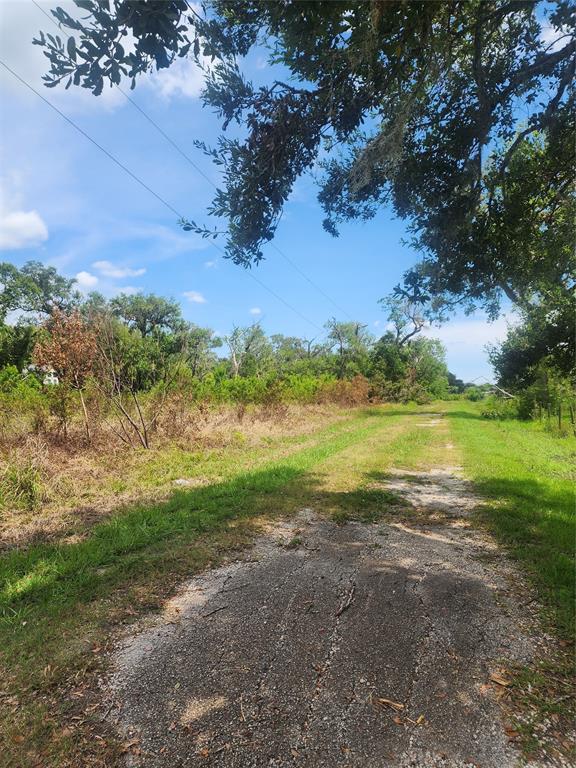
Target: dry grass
[{"x": 53, "y": 488}]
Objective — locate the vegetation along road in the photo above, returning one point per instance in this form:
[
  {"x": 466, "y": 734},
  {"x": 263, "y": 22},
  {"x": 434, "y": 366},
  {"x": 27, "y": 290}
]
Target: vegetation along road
[{"x": 391, "y": 588}]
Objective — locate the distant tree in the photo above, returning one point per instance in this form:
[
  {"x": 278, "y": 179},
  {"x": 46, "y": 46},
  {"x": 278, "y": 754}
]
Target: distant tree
[
  {"x": 36, "y": 289},
  {"x": 197, "y": 346},
  {"x": 410, "y": 371},
  {"x": 16, "y": 344},
  {"x": 409, "y": 318},
  {"x": 69, "y": 348},
  {"x": 148, "y": 313},
  {"x": 250, "y": 351},
  {"x": 456, "y": 385},
  {"x": 94, "y": 304},
  {"x": 351, "y": 343}
]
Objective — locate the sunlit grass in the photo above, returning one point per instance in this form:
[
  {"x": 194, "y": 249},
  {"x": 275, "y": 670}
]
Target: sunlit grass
[{"x": 527, "y": 477}]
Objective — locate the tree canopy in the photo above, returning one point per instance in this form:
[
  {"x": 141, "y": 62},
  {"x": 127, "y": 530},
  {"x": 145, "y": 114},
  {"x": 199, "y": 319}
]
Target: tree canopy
[
  {"x": 459, "y": 114},
  {"x": 34, "y": 288}
]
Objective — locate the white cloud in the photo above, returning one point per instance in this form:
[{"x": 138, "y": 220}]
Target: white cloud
[
  {"x": 209, "y": 264},
  {"x": 21, "y": 229},
  {"x": 474, "y": 334},
  {"x": 129, "y": 290},
  {"x": 86, "y": 280},
  {"x": 18, "y": 228},
  {"x": 182, "y": 78},
  {"x": 554, "y": 39},
  {"x": 110, "y": 270},
  {"x": 195, "y": 297},
  {"x": 376, "y": 323},
  {"x": 465, "y": 340},
  {"x": 255, "y": 311}
]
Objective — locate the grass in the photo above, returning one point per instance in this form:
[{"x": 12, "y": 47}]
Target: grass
[
  {"x": 60, "y": 601},
  {"x": 45, "y": 502},
  {"x": 527, "y": 477}
]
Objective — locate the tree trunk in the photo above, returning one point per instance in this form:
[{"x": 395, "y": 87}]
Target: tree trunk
[{"x": 85, "y": 412}]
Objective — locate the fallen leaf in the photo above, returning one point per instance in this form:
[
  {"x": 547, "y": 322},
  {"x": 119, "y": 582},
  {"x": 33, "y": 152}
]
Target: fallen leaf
[
  {"x": 130, "y": 745},
  {"x": 394, "y": 704},
  {"x": 500, "y": 680},
  {"x": 398, "y": 720}
]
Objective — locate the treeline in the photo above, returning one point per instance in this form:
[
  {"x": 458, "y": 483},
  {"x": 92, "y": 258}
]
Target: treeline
[{"x": 67, "y": 358}]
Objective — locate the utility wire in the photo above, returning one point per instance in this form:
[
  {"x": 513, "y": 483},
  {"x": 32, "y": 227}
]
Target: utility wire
[
  {"x": 145, "y": 186},
  {"x": 114, "y": 159},
  {"x": 199, "y": 170}
]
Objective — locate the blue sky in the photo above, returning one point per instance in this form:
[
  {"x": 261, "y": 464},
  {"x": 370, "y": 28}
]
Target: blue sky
[{"x": 64, "y": 203}]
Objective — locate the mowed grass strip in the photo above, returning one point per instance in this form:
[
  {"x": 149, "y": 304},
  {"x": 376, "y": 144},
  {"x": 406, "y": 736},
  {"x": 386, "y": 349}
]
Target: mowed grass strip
[
  {"x": 352, "y": 484},
  {"x": 526, "y": 476}
]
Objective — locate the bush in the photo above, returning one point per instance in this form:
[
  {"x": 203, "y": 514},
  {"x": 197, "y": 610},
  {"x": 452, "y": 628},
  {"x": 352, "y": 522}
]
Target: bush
[
  {"x": 498, "y": 408},
  {"x": 23, "y": 405},
  {"x": 347, "y": 393},
  {"x": 475, "y": 394}
]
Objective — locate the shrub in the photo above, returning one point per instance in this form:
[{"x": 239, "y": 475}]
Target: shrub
[
  {"x": 498, "y": 408},
  {"x": 475, "y": 394}
]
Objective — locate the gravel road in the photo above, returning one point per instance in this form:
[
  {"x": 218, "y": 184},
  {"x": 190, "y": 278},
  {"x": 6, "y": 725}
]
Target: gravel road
[{"x": 357, "y": 645}]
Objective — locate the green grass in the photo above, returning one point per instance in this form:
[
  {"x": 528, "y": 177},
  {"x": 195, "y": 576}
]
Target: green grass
[
  {"x": 59, "y": 600},
  {"x": 527, "y": 477}
]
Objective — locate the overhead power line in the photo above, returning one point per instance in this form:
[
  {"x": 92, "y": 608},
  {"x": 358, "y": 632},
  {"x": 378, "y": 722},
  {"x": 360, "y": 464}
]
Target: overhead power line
[
  {"x": 145, "y": 186},
  {"x": 114, "y": 159},
  {"x": 199, "y": 170}
]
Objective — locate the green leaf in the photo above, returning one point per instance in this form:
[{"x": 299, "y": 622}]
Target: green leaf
[{"x": 71, "y": 48}]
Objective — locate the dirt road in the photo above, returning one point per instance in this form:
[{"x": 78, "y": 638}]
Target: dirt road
[{"x": 362, "y": 645}]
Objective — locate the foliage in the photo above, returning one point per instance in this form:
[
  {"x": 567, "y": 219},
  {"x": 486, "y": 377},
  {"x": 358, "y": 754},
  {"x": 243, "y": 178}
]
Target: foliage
[
  {"x": 117, "y": 361},
  {"x": 546, "y": 336},
  {"x": 413, "y": 370},
  {"x": 250, "y": 351},
  {"x": 34, "y": 288},
  {"x": 69, "y": 348},
  {"x": 499, "y": 408},
  {"x": 16, "y": 344},
  {"x": 352, "y": 343},
  {"x": 409, "y": 103},
  {"x": 474, "y": 393},
  {"x": 147, "y": 313}
]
